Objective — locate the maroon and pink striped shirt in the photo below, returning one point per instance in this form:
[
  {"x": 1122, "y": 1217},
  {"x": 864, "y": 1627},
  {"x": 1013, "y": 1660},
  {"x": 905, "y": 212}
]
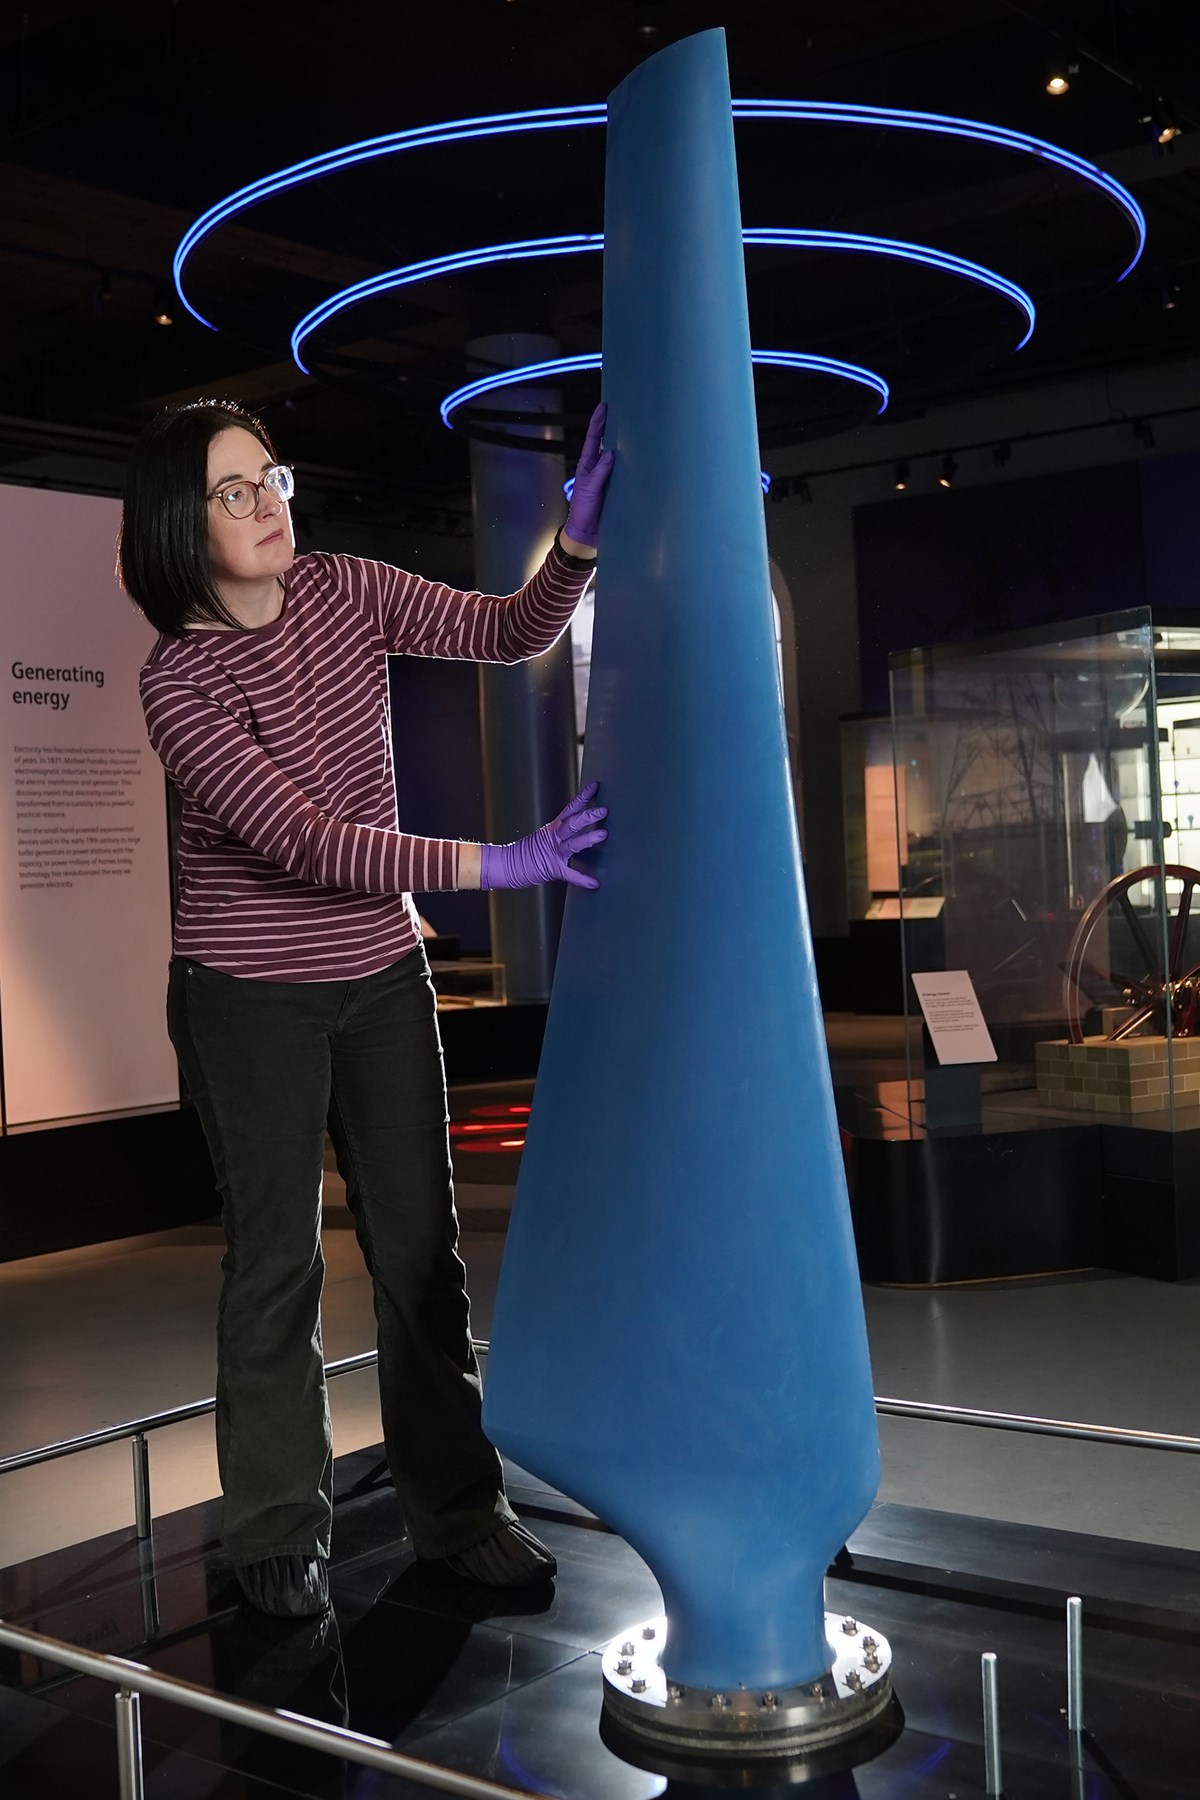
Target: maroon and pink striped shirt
[{"x": 292, "y": 866}]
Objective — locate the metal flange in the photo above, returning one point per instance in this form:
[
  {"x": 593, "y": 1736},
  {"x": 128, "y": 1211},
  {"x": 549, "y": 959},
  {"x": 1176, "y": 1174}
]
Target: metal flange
[{"x": 747, "y": 1722}]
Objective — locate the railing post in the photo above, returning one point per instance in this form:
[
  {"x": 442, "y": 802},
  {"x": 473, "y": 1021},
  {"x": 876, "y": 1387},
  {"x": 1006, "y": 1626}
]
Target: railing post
[
  {"x": 147, "y": 1576},
  {"x": 129, "y": 1745},
  {"x": 141, "y": 1485},
  {"x": 1075, "y": 1665},
  {"x": 991, "y": 1726}
]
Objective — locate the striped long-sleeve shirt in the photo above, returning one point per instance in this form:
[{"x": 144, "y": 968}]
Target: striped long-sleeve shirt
[{"x": 291, "y": 863}]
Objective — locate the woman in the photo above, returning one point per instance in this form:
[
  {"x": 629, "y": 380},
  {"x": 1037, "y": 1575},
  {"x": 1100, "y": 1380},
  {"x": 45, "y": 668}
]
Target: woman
[{"x": 299, "y": 998}]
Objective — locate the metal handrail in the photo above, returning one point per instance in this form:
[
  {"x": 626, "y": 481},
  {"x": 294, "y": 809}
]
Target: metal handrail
[
  {"x": 1066, "y": 1428},
  {"x": 112, "y": 1434},
  {"x": 904, "y": 1409},
  {"x": 136, "y": 1429},
  {"x": 132, "y": 1679}
]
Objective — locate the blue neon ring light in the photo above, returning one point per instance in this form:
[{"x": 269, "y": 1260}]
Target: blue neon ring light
[
  {"x": 777, "y": 237},
  {"x": 565, "y": 117},
  {"x": 573, "y": 365}
]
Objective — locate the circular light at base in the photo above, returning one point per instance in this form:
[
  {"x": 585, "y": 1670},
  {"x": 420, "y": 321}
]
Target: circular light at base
[
  {"x": 748, "y": 1724},
  {"x": 572, "y": 365}
]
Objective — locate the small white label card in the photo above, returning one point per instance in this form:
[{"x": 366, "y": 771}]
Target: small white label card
[{"x": 952, "y": 1014}]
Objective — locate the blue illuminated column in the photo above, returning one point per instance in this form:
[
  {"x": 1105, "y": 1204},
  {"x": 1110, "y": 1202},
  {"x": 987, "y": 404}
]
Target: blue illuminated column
[
  {"x": 528, "y": 710},
  {"x": 679, "y": 1339}
]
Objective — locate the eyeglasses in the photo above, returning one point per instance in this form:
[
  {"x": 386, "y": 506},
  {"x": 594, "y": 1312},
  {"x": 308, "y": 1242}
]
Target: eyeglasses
[{"x": 240, "y": 498}]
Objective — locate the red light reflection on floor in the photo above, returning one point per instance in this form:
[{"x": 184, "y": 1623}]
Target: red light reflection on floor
[
  {"x": 488, "y": 1146},
  {"x": 481, "y": 1131},
  {"x": 497, "y": 1112}
]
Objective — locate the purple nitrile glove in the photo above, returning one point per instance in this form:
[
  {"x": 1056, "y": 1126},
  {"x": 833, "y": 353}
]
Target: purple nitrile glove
[
  {"x": 591, "y": 476},
  {"x": 544, "y": 855}
]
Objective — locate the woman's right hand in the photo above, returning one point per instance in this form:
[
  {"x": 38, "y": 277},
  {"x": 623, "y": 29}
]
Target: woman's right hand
[{"x": 545, "y": 854}]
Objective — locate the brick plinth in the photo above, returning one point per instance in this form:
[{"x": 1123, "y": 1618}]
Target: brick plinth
[{"x": 1129, "y": 1077}]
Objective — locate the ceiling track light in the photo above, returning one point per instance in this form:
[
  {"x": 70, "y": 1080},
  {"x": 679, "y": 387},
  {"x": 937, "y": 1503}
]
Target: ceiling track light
[
  {"x": 1159, "y": 121},
  {"x": 1168, "y": 296},
  {"x": 900, "y": 477},
  {"x": 789, "y": 487},
  {"x": 949, "y": 471},
  {"x": 1143, "y": 431},
  {"x": 1001, "y": 454},
  {"x": 164, "y": 312},
  {"x": 1061, "y": 68}
]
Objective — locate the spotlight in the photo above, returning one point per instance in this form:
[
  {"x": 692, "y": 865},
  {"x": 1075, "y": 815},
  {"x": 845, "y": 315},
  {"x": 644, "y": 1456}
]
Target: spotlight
[
  {"x": 1169, "y": 296},
  {"x": 949, "y": 470},
  {"x": 163, "y": 313},
  {"x": 1063, "y": 64},
  {"x": 1162, "y": 127},
  {"x": 1001, "y": 453},
  {"x": 1143, "y": 431},
  {"x": 900, "y": 477},
  {"x": 804, "y": 492}
]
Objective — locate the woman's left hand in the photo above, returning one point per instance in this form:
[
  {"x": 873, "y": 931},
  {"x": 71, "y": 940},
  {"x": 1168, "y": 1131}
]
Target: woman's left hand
[
  {"x": 591, "y": 478},
  {"x": 545, "y": 855}
]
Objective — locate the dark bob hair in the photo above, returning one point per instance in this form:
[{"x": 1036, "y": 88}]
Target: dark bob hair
[{"x": 162, "y": 549}]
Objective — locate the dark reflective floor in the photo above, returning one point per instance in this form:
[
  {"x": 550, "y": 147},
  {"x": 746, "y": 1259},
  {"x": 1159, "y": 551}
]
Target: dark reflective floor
[{"x": 510, "y": 1687}]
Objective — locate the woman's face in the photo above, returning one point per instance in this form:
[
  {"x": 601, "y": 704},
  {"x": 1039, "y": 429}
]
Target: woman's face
[{"x": 261, "y": 546}]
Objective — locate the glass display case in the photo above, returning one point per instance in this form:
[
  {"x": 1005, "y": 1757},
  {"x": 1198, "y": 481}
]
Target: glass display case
[
  {"x": 1042, "y": 793},
  {"x": 869, "y": 812},
  {"x": 1029, "y": 802},
  {"x": 467, "y": 981}
]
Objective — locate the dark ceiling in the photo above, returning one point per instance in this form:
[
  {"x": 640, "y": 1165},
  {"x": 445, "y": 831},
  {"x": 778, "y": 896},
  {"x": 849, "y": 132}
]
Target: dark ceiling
[{"x": 122, "y": 123}]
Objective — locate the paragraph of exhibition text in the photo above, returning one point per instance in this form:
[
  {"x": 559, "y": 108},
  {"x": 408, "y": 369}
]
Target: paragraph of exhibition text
[{"x": 74, "y": 814}]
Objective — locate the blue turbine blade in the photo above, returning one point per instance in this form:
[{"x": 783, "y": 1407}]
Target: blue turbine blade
[{"x": 679, "y": 1338}]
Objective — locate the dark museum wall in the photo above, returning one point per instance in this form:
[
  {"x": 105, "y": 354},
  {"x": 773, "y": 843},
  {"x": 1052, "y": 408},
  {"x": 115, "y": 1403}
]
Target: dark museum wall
[
  {"x": 964, "y": 565},
  {"x": 439, "y": 776},
  {"x": 1085, "y": 542},
  {"x": 1090, "y": 517}
]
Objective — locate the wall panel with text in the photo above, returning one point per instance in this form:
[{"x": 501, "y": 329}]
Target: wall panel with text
[{"x": 85, "y": 926}]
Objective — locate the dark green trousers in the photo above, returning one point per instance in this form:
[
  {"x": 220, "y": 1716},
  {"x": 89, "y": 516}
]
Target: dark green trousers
[{"x": 270, "y": 1066}]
